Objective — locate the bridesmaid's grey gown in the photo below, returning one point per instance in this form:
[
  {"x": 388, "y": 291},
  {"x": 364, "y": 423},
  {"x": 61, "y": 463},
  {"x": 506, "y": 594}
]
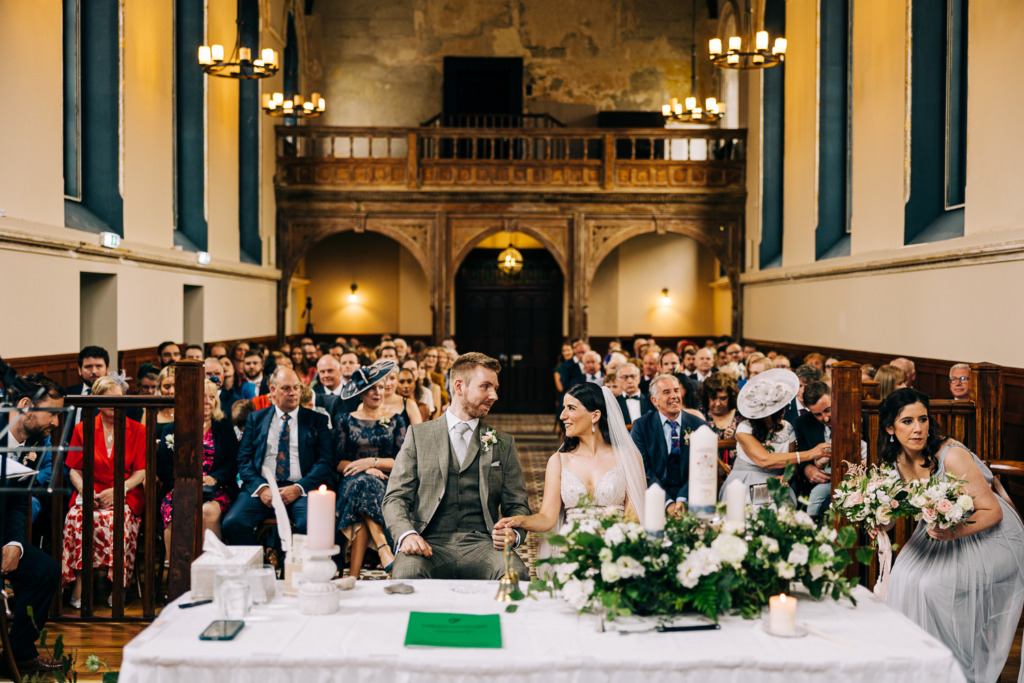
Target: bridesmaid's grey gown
[{"x": 968, "y": 592}]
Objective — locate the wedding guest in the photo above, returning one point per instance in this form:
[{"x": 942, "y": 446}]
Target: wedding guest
[
  {"x": 632, "y": 402},
  {"x": 32, "y": 429},
  {"x": 734, "y": 354},
  {"x": 691, "y": 395},
  {"x": 611, "y": 380},
  {"x": 220, "y": 466},
  {"x": 402, "y": 349},
  {"x": 218, "y": 351},
  {"x": 366, "y": 444},
  {"x": 806, "y": 374},
  {"x": 907, "y": 366},
  {"x": 307, "y": 399},
  {"x": 34, "y": 575},
  {"x": 649, "y": 368},
  {"x": 103, "y": 492},
  {"x": 298, "y": 360},
  {"x": 388, "y": 351},
  {"x": 748, "y": 349},
  {"x": 889, "y": 378},
  {"x": 240, "y": 412},
  {"x": 964, "y": 585},
  {"x": 193, "y": 352},
  {"x": 93, "y": 362},
  {"x": 295, "y": 443},
  {"x": 597, "y": 461},
  {"x": 572, "y": 368},
  {"x": 765, "y": 441},
  {"x": 782, "y": 361},
  {"x": 757, "y": 366},
  {"x": 669, "y": 363},
  {"x": 442, "y": 511},
  {"x": 327, "y": 387},
  {"x": 614, "y": 346},
  {"x": 811, "y": 429},
  {"x": 393, "y": 403},
  {"x": 229, "y": 394},
  {"x": 424, "y": 395},
  {"x": 238, "y": 352},
  {"x": 430, "y": 367},
  {"x": 705, "y": 364},
  {"x": 164, "y": 387},
  {"x": 566, "y": 355},
  {"x": 168, "y": 353},
  {"x": 663, "y": 438},
  {"x": 255, "y": 383},
  {"x": 278, "y": 360},
  {"x": 718, "y": 395},
  {"x": 867, "y": 372},
  {"x": 408, "y": 389},
  {"x": 614, "y": 362},
  {"x": 147, "y": 380},
  {"x": 960, "y": 381},
  {"x": 592, "y": 367},
  {"x": 816, "y": 360}
]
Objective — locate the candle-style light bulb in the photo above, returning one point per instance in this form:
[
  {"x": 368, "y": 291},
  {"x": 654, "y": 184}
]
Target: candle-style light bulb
[
  {"x": 709, "y": 103},
  {"x": 267, "y": 56},
  {"x": 666, "y": 110},
  {"x": 780, "y": 46},
  {"x": 204, "y": 55},
  {"x": 678, "y": 108},
  {"x": 691, "y": 103},
  {"x": 321, "y": 104},
  {"x": 734, "y": 44},
  {"x": 733, "y": 59},
  {"x": 278, "y": 99},
  {"x": 217, "y": 53},
  {"x": 715, "y": 46},
  {"x": 761, "y": 40}
]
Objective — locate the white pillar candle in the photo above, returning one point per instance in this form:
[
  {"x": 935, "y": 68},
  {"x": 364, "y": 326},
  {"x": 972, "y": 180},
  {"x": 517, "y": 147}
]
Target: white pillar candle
[
  {"x": 782, "y": 614},
  {"x": 320, "y": 519},
  {"x": 654, "y": 508},
  {"x": 736, "y": 503},
  {"x": 703, "y": 489}
]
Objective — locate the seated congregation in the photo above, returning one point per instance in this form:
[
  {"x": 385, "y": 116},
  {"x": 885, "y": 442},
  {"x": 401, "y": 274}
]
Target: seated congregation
[{"x": 427, "y": 490}]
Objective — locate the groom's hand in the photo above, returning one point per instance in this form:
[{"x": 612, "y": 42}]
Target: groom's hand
[
  {"x": 413, "y": 544},
  {"x": 501, "y": 530}
]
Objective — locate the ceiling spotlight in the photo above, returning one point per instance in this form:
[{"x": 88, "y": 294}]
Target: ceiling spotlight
[{"x": 352, "y": 298}]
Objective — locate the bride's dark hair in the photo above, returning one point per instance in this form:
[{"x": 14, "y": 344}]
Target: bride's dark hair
[
  {"x": 889, "y": 411},
  {"x": 592, "y": 398}
]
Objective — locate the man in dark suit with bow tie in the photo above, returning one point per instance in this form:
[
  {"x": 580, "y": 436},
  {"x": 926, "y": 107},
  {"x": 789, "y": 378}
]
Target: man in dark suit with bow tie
[
  {"x": 453, "y": 479},
  {"x": 295, "y": 443},
  {"x": 93, "y": 363},
  {"x": 35, "y": 574},
  {"x": 633, "y": 403},
  {"x": 662, "y": 436}
]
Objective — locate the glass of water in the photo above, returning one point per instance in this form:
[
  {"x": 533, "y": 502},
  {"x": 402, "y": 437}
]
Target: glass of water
[
  {"x": 262, "y": 585},
  {"x": 234, "y": 599}
]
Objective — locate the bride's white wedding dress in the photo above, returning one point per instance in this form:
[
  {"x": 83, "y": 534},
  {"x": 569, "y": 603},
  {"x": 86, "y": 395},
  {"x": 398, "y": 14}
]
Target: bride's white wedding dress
[{"x": 609, "y": 496}]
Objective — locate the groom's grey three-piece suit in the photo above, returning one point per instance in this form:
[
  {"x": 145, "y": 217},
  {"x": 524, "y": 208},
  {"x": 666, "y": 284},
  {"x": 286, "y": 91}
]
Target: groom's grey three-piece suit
[{"x": 453, "y": 507}]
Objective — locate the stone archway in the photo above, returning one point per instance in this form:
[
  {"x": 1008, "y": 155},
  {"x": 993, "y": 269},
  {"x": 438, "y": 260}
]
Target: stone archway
[{"x": 303, "y": 233}]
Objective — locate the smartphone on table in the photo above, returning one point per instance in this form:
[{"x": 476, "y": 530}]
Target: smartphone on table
[{"x": 222, "y": 629}]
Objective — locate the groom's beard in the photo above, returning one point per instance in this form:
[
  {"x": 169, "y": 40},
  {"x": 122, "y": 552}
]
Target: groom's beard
[{"x": 476, "y": 410}]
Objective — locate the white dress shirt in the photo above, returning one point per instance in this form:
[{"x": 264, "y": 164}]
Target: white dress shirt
[
  {"x": 336, "y": 391},
  {"x": 666, "y": 429},
  {"x": 633, "y": 406},
  {"x": 452, "y": 422},
  {"x": 273, "y": 439}
]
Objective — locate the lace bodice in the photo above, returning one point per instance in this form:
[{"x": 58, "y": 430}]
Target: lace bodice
[{"x": 610, "y": 493}]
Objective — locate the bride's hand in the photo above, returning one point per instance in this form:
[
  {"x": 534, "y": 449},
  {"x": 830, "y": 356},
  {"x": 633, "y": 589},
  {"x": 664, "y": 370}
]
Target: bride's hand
[{"x": 509, "y": 522}]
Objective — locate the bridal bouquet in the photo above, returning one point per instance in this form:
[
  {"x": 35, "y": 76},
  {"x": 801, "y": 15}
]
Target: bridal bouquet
[
  {"x": 941, "y": 502},
  {"x": 611, "y": 565},
  {"x": 872, "y": 496}
]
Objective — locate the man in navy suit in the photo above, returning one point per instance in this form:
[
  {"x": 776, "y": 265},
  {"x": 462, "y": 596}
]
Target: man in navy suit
[
  {"x": 571, "y": 370},
  {"x": 295, "y": 443},
  {"x": 662, "y": 436},
  {"x": 35, "y": 575},
  {"x": 93, "y": 362}
]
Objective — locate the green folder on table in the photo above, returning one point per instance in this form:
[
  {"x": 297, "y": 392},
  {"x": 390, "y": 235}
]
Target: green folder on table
[{"x": 437, "y": 629}]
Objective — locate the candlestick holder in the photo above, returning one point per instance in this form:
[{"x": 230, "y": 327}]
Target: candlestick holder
[
  {"x": 317, "y": 595},
  {"x": 509, "y": 582}
]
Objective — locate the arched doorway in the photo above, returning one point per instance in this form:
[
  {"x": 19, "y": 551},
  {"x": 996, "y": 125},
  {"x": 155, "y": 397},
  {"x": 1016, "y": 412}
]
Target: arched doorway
[{"x": 516, "y": 319}]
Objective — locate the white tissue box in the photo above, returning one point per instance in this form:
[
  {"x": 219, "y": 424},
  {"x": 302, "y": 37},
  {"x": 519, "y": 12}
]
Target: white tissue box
[{"x": 206, "y": 566}]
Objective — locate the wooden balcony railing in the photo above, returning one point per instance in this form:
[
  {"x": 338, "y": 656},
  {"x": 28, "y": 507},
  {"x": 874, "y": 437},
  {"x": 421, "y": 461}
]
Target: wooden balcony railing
[
  {"x": 492, "y": 121},
  {"x": 517, "y": 159}
]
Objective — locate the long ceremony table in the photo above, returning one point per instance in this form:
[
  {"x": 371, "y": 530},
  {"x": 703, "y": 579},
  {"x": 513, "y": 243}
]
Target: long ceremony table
[{"x": 544, "y": 641}]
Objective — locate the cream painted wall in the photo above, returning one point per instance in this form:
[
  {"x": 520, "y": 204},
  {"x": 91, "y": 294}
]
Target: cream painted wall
[
  {"x": 633, "y": 277},
  {"x": 149, "y": 123},
  {"x": 995, "y": 166},
  {"x": 392, "y": 289},
  {"x": 222, "y": 141},
  {"x": 31, "y": 145}
]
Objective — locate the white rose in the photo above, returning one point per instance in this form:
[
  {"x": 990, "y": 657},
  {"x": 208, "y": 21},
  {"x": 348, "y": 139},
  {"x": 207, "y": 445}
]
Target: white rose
[
  {"x": 605, "y": 555},
  {"x": 785, "y": 570},
  {"x": 687, "y": 574},
  {"x": 803, "y": 519},
  {"x": 798, "y": 555},
  {"x": 965, "y": 503},
  {"x": 565, "y": 571},
  {"x": 918, "y": 501},
  {"x": 770, "y": 543},
  {"x": 735, "y": 528},
  {"x": 610, "y": 572},
  {"x": 817, "y": 570},
  {"x": 825, "y": 550},
  {"x": 633, "y": 530},
  {"x": 954, "y": 515},
  {"x": 577, "y": 593},
  {"x": 614, "y": 535},
  {"x": 883, "y": 516},
  {"x": 628, "y": 567},
  {"x": 732, "y": 549}
]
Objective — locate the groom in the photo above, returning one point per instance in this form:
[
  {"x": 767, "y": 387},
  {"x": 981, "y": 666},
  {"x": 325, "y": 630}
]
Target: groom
[{"x": 452, "y": 480}]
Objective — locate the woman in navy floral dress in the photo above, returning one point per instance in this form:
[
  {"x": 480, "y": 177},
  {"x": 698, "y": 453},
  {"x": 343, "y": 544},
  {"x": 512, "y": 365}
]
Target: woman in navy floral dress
[{"x": 366, "y": 444}]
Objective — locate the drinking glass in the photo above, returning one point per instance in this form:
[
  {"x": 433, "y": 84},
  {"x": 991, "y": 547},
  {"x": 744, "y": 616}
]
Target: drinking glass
[
  {"x": 263, "y": 585},
  {"x": 234, "y": 599}
]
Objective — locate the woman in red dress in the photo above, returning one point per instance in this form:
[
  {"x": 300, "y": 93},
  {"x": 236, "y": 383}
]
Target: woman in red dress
[{"x": 103, "y": 492}]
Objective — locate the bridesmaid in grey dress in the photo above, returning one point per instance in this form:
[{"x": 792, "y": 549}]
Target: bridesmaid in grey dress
[{"x": 964, "y": 585}]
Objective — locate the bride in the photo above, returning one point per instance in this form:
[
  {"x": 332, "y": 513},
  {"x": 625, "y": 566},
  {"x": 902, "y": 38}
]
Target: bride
[{"x": 597, "y": 459}]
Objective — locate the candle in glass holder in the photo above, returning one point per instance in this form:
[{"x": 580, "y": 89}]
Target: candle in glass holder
[
  {"x": 654, "y": 509},
  {"x": 320, "y": 520},
  {"x": 782, "y": 614}
]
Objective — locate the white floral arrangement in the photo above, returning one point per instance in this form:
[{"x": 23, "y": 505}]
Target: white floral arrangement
[
  {"x": 488, "y": 440},
  {"x": 383, "y": 420},
  {"x": 169, "y": 440},
  {"x": 941, "y": 502}
]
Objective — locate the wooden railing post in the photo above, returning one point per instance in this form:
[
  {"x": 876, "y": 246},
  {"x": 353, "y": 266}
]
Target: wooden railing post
[
  {"x": 88, "y": 505},
  {"x": 609, "y": 161},
  {"x": 987, "y": 394},
  {"x": 412, "y": 167},
  {"x": 118, "y": 525},
  {"x": 847, "y": 394},
  {"x": 187, "y": 498}
]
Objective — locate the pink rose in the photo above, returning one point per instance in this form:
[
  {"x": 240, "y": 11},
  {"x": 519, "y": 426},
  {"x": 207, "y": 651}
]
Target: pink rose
[
  {"x": 894, "y": 504},
  {"x": 856, "y": 498},
  {"x": 928, "y": 514},
  {"x": 944, "y": 506}
]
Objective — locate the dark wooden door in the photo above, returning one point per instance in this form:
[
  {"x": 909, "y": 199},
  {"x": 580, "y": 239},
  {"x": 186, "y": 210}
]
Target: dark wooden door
[{"x": 517, "y": 320}]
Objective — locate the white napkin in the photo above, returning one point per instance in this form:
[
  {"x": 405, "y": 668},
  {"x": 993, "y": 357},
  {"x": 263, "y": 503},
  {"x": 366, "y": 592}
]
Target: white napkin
[
  {"x": 284, "y": 528},
  {"x": 212, "y": 544}
]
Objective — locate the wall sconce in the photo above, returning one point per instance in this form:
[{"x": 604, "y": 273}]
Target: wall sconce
[
  {"x": 665, "y": 300},
  {"x": 352, "y": 298},
  {"x": 203, "y": 258}
]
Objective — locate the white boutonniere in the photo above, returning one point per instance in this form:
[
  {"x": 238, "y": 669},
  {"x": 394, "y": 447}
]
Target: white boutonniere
[
  {"x": 488, "y": 439},
  {"x": 384, "y": 421},
  {"x": 686, "y": 436},
  {"x": 169, "y": 440}
]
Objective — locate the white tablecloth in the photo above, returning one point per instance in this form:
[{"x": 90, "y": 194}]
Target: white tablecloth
[{"x": 544, "y": 641}]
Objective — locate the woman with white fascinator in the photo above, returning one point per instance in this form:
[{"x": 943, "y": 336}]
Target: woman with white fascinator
[{"x": 597, "y": 460}]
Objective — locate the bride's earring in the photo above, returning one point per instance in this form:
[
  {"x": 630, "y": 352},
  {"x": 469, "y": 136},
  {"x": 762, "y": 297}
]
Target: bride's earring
[
  {"x": 593, "y": 427},
  {"x": 891, "y": 439}
]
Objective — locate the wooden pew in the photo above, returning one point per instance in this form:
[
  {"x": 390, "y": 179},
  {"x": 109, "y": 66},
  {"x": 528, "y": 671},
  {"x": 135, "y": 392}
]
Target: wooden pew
[{"x": 974, "y": 422}]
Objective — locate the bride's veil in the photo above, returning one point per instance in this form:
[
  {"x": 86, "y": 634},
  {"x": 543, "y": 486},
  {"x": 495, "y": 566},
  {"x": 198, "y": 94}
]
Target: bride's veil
[{"x": 626, "y": 454}]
